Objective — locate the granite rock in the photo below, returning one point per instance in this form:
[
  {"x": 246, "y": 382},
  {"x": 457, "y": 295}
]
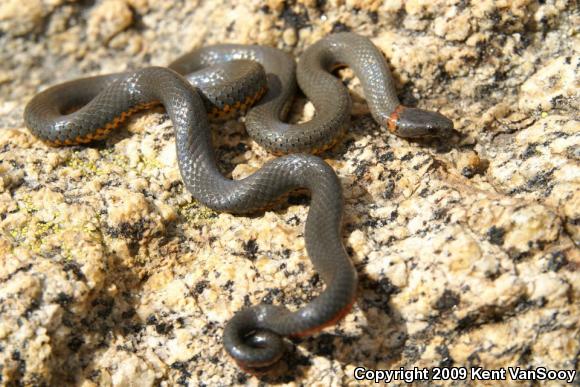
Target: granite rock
[{"x": 466, "y": 248}]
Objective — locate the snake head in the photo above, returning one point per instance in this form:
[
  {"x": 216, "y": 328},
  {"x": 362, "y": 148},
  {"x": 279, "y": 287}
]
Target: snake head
[{"x": 417, "y": 123}]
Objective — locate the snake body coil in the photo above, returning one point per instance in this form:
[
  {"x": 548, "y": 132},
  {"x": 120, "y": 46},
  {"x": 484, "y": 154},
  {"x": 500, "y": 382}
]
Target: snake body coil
[{"x": 227, "y": 79}]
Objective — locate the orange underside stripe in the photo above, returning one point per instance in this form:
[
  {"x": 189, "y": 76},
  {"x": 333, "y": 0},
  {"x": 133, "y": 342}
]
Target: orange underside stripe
[
  {"x": 342, "y": 313},
  {"x": 101, "y": 133}
]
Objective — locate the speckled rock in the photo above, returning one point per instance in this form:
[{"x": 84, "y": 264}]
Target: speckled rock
[
  {"x": 467, "y": 248},
  {"x": 18, "y": 18}
]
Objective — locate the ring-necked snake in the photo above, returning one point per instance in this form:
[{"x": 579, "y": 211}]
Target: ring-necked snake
[{"x": 225, "y": 79}]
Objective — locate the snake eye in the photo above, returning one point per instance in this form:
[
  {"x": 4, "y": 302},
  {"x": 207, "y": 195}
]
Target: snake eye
[{"x": 415, "y": 123}]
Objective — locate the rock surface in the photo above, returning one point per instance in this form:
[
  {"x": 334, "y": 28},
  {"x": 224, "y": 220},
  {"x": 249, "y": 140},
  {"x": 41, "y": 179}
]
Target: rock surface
[{"x": 467, "y": 249}]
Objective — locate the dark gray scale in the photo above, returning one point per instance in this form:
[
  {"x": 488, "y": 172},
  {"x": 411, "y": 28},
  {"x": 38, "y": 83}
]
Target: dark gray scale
[
  {"x": 80, "y": 108},
  {"x": 265, "y": 122},
  {"x": 254, "y": 336}
]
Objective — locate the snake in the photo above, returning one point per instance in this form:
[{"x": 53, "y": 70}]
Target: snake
[{"x": 221, "y": 80}]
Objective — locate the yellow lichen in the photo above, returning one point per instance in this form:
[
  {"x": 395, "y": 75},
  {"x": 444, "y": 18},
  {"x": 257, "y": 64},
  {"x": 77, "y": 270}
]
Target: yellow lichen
[
  {"x": 26, "y": 204},
  {"x": 150, "y": 164},
  {"x": 86, "y": 167},
  {"x": 196, "y": 213}
]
